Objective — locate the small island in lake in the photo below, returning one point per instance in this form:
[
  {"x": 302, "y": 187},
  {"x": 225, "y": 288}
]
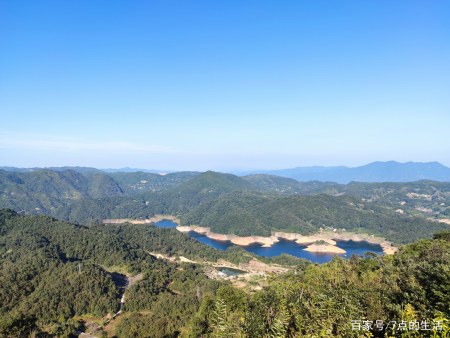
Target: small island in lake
[{"x": 325, "y": 247}]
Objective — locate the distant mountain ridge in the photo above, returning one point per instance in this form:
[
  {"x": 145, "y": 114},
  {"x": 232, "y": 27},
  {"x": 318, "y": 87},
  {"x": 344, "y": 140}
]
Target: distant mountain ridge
[
  {"x": 74, "y": 168},
  {"x": 249, "y": 205},
  {"x": 133, "y": 170},
  {"x": 375, "y": 172},
  {"x": 390, "y": 171}
]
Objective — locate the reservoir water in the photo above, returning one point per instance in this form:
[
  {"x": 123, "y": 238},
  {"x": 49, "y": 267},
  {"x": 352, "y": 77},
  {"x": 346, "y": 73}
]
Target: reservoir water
[
  {"x": 221, "y": 245},
  {"x": 286, "y": 247},
  {"x": 230, "y": 271},
  {"x": 165, "y": 223}
]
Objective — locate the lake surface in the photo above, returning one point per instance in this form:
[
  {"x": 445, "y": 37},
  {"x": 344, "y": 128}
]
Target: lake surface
[
  {"x": 165, "y": 223},
  {"x": 286, "y": 247},
  {"x": 220, "y": 245},
  {"x": 230, "y": 271}
]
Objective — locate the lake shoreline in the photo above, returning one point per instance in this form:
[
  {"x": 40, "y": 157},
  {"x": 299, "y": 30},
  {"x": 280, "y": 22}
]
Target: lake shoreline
[
  {"x": 328, "y": 237},
  {"x": 150, "y": 220}
]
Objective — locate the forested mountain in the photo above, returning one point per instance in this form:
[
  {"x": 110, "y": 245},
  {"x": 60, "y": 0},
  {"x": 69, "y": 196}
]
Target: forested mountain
[
  {"x": 250, "y": 205},
  {"x": 44, "y": 190},
  {"x": 56, "y": 278},
  {"x": 40, "y": 279},
  {"x": 426, "y": 198},
  {"x": 52, "y": 272},
  {"x": 337, "y": 299},
  {"x": 136, "y": 182},
  {"x": 47, "y": 191},
  {"x": 390, "y": 171},
  {"x": 202, "y": 188},
  {"x": 289, "y": 186},
  {"x": 177, "y": 199},
  {"x": 76, "y": 168},
  {"x": 253, "y": 213}
]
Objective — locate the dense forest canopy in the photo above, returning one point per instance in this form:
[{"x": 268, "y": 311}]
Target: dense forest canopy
[
  {"x": 59, "y": 278},
  {"x": 56, "y": 276},
  {"x": 53, "y": 271},
  {"x": 248, "y": 205}
]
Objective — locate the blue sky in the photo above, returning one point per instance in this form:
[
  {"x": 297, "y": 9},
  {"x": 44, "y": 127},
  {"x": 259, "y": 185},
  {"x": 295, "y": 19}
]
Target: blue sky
[{"x": 223, "y": 84}]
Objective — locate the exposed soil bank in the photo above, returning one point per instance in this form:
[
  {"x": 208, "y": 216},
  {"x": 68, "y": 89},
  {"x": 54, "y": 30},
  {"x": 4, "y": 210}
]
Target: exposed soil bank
[
  {"x": 329, "y": 237},
  {"x": 153, "y": 219},
  {"x": 326, "y": 248},
  {"x": 242, "y": 241}
]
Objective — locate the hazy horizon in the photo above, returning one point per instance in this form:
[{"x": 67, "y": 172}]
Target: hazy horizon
[
  {"x": 224, "y": 86},
  {"x": 234, "y": 171}
]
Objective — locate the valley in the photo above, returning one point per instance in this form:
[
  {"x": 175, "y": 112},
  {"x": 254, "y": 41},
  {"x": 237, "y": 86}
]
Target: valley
[
  {"x": 224, "y": 169},
  {"x": 231, "y": 205},
  {"x": 186, "y": 254},
  {"x": 329, "y": 237}
]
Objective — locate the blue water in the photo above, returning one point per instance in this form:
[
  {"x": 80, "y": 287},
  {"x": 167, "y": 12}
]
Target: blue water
[
  {"x": 359, "y": 248},
  {"x": 291, "y": 248},
  {"x": 165, "y": 223},
  {"x": 231, "y": 271},
  {"x": 286, "y": 247},
  {"x": 220, "y": 245}
]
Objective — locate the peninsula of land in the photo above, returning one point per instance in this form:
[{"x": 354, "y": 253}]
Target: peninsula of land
[
  {"x": 150, "y": 220},
  {"x": 324, "y": 241}
]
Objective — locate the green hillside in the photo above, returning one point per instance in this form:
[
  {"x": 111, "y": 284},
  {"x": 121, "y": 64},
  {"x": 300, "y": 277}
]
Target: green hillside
[
  {"x": 54, "y": 274},
  {"x": 138, "y": 182},
  {"x": 56, "y": 278},
  {"x": 289, "y": 186},
  {"x": 257, "y": 214},
  {"x": 425, "y": 198},
  {"x": 330, "y": 300},
  {"x": 44, "y": 190},
  {"x": 202, "y": 188},
  {"x": 250, "y": 205}
]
